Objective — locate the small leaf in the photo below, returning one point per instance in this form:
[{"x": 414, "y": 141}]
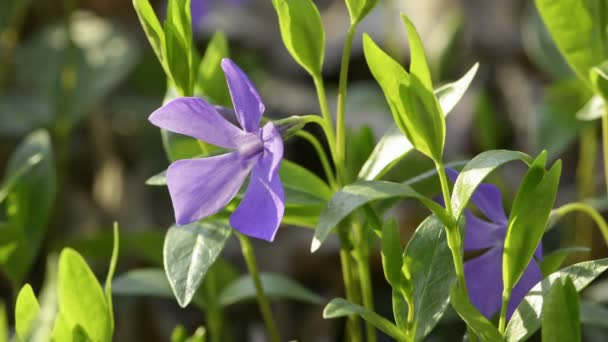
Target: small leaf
[
  {"x": 357, "y": 194},
  {"x": 339, "y": 307},
  {"x": 358, "y": 9},
  {"x": 419, "y": 67},
  {"x": 599, "y": 79},
  {"x": 528, "y": 218},
  {"x": 427, "y": 258},
  {"x": 210, "y": 79},
  {"x": 188, "y": 252},
  {"x": 474, "y": 319},
  {"x": 27, "y": 310},
  {"x": 302, "y": 32},
  {"x": 392, "y": 260},
  {"x": 560, "y": 315},
  {"x": 275, "y": 286},
  {"x": 80, "y": 297},
  {"x": 594, "y": 109},
  {"x": 553, "y": 261},
  {"x": 526, "y": 319},
  {"x": 152, "y": 28},
  {"x": 475, "y": 171}
]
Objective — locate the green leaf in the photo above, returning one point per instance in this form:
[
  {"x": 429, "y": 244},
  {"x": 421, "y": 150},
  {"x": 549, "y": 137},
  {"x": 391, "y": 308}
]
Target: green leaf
[
  {"x": 526, "y": 319},
  {"x": 528, "y": 219},
  {"x": 474, "y": 319},
  {"x": 393, "y": 145},
  {"x": 29, "y": 201},
  {"x": 419, "y": 67},
  {"x": 553, "y": 261},
  {"x": 599, "y": 78},
  {"x": 80, "y": 297},
  {"x": 392, "y": 261},
  {"x": 475, "y": 171},
  {"x": 300, "y": 179},
  {"x": 275, "y": 286},
  {"x": 584, "y": 44},
  {"x": 340, "y": 307},
  {"x": 427, "y": 258},
  {"x": 27, "y": 310},
  {"x": 358, "y": 9},
  {"x": 302, "y": 32},
  {"x": 111, "y": 271},
  {"x": 152, "y": 28},
  {"x": 560, "y": 314},
  {"x": 592, "y": 110},
  {"x": 353, "y": 196},
  {"x": 210, "y": 79},
  {"x": 143, "y": 282},
  {"x": 594, "y": 314},
  {"x": 189, "y": 252},
  {"x": 179, "y": 48},
  {"x": 4, "y": 330},
  {"x": 415, "y": 108}
]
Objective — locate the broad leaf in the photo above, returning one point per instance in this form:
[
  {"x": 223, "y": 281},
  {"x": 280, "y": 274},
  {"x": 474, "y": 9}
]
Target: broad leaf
[
  {"x": 393, "y": 145},
  {"x": 475, "y": 171},
  {"x": 485, "y": 330},
  {"x": 188, "y": 252},
  {"x": 210, "y": 80},
  {"x": 392, "y": 260},
  {"x": 526, "y": 319},
  {"x": 81, "y": 299},
  {"x": 275, "y": 286},
  {"x": 339, "y": 307},
  {"x": 355, "y": 195},
  {"x": 427, "y": 258},
  {"x": 302, "y": 32},
  {"x": 560, "y": 314},
  {"x": 27, "y": 310},
  {"x": 528, "y": 219}
]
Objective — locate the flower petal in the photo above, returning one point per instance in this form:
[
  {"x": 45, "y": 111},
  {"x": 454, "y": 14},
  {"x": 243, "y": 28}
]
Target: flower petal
[
  {"x": 273, "y": 143},
  {"x": 480, "y": 234},
  {"x": 248, "y": 104},
  {"x": 484, "y": 281},
  {"x": 201, "y": 187},
  {"x": 532, "y": 275},
  {"x": 196, "y": 118},
  {"x": 261, "y": 210}
]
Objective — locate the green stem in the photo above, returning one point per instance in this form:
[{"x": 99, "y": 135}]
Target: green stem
[
  {"x": 263, "y": 302},
  {"x": 362, "y": 258},
  {"x": 341, "y": 107},
  {"x": 585, "y": 186},
  {"x": 605, "y": 147},
  {"x": 353, "y": 322},
  {"x": 589, "y": 210},
  {"x": 502, "y": 321},
  {"x": 322, "y": 156}
]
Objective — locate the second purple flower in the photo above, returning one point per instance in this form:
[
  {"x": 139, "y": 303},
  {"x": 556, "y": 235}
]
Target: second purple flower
[{"x": 201, "y": 187}]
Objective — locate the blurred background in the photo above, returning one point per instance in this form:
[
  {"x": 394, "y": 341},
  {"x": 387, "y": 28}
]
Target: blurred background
[{"x": 83, "y": 70}]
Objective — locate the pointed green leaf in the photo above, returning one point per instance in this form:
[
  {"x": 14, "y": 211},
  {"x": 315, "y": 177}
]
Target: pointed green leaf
[
  {"x": 475, "y": 171},
  {"x": 419, "y": 66},
  {"x": 474, "y": 319},
  {"x": 525, "y": 321},
  {"x": 80, "y": 297},
  {"x": 393, "y": 145},
  {"x": 210, "y": 79},
  {"x": 584, "y": 44},
  {"x": 300, "y": 179},
  {"x": 152, "y": 28},
  {"x": 392, "y": 260},
  {"x": 560, "y": 315},
  {"x": 358, "y": 9},
  {"x": 428, "y": 261},
  {"x": 188, "y": 252},
  {"x": 339, "y": 307},
  {"x": 528, "y": 218},
  {"x": 27, "y": 310},
  {"x": 302, "y": 32},
  {"x": 355, "y": 195},
  {"x": 553, "y": 261},
  {"x": 275, "y": 286}
]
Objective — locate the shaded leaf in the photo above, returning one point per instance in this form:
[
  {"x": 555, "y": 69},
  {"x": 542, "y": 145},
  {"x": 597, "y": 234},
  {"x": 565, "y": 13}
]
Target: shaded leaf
[
  {"x": 474, "y": 319},
  {"x": 560, "y": 313}
]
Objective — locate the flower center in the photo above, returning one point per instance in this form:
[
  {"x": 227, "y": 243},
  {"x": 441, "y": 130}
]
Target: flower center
[{"x": 250, "y": 147}]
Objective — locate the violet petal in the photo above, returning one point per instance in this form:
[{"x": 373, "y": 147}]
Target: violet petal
[
  {"x": 488, "y": 200},
  {"x": 273, "y": 143},
  {"x": 480, "y": 234},
  {"x": 248, "y": 104},
  {"x": 201, "y": 187},
  {"x": 196, "y": 118},
  {"x": 532, "y": 275},
  {"x": 261, "y": 210},
  {"x": 484, "y": 281}
]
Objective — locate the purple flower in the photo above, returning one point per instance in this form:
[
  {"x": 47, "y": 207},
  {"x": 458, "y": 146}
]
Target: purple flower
[
  {"x": 483, "y": 273},
  {"x": 202, "y": 186}
]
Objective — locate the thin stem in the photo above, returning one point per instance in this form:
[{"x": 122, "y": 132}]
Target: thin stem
[
  {"x": 605, "y": 147},
  {"x": 362, "y": 258},
  {"x": 329, "y": 173},
  {"x": 589, "y": 210},
  {"x": 585, "y": 186},
  {"x": 502, "y": 321},
  {"x": 263, "y": 302},
  {"x": 341, "y": 107},
  {"x": 353, "y": 322}
]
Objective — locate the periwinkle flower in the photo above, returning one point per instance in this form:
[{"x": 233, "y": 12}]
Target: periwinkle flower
[
  {"x": 483, "y": 273},
  {"x": 201, "y": 187}
]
